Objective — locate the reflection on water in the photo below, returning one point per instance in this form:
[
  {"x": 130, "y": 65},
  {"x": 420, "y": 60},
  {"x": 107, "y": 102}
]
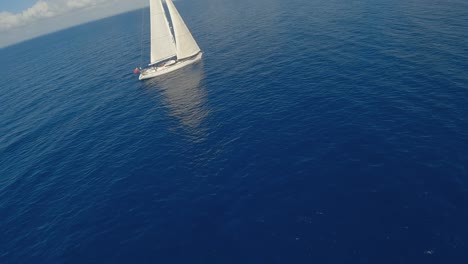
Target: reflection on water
[{"x": 184, "y": 95}]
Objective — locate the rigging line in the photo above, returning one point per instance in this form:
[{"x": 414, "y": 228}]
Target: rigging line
[{"x": 141, "y": 36}]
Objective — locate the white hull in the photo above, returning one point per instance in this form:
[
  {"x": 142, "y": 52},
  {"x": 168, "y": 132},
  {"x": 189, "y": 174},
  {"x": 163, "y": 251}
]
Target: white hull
[{"x": 157, "y": 71}]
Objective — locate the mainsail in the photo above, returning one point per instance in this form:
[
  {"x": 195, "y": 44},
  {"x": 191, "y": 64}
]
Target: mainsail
[
  {"x": 185, "y": 43},
  {"x": 162, "y": 42}
]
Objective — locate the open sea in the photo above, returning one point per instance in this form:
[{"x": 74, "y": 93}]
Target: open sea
[{"x": 313, "y": 131}]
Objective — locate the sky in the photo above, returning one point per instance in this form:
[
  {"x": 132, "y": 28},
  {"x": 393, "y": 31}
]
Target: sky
[{"x": 25, "y": 19}]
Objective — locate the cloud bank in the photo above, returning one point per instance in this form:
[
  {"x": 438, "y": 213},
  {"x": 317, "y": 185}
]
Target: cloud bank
[{"x": 42, "y": 9}]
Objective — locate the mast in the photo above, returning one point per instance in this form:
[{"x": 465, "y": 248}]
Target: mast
[
  {"x": 162, "y": 41},
  {"x": 186, "y": 45}
]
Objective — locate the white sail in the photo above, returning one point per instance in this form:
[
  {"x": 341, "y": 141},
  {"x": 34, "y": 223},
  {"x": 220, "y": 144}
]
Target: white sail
[
  {"x": 185, "y": 43},
  {"x": 162, "y": 41}
]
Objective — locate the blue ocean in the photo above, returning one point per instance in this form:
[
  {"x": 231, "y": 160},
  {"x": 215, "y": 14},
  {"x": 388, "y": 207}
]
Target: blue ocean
[{"x": 312, "y": 131}]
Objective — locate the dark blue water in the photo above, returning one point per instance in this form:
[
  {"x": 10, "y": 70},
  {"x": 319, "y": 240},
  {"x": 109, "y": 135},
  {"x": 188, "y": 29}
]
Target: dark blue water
[{"x": 312, "y": 132}]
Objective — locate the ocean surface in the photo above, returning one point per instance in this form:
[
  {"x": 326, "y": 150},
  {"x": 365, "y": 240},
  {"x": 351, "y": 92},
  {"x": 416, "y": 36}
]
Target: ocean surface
[{"x": 313, "y": 131}]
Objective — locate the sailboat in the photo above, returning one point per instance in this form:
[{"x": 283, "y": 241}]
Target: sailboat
[{"x": 169, "y": 50}]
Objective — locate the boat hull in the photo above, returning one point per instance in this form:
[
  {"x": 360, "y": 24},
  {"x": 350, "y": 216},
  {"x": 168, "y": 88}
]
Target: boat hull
[{"x": 157, "y": 71}]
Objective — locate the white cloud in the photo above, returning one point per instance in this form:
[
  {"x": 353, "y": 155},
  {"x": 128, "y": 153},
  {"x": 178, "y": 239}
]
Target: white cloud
[
  {"x": 37, "y": 11},
  {"x": 73, "y": 4},
  {"x": 58, "y": 15},
  {"x": 42, "y": 9}
]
